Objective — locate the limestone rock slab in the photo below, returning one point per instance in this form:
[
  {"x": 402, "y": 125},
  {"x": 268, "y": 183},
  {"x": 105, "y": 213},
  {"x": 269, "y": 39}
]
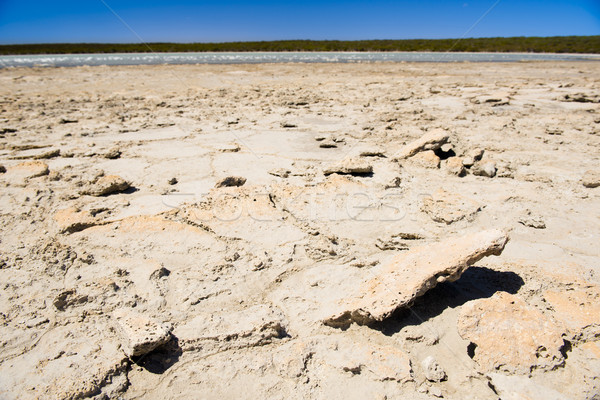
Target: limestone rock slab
[
  {"x": 509, "y": 335},
  {"x": 398, "y": 282},
  {"x": 432, "y": 140}
]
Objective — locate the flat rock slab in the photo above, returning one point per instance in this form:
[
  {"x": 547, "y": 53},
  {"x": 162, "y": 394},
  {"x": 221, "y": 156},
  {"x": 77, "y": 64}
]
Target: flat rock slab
[
  {"x": 353, "y": 166},
  {"x": 71, "y": 220},
  {"x": 432, "y": 140},
  {"x": 140, "y": 334},
  {"x": 510, "y": 336},
  {"x": 446, "y": 207},
  {"x": 397, "y": 283},
  {"x": 28, "y": 169},
  {"x": 107, "y": 185},
  {"x": 254, "y": 326}
]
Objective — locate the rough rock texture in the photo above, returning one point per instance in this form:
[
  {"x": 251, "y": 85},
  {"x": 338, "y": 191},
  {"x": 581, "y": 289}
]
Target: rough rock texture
[
  {"x": 510, "y": 336},
  {"x": 350, "y": 166},
  {"x": 591, "y": 179},
  {"x": 448, "y": 207},
  {"x": 455, "y": 166},
  {"x": 139, "y": 334},
  {"x": 431, "y": 140},
  {"x": 113, "y": 153},
  {"x": 487, "y": 169},
  {"x": 397, "y": 283},
  {"x": 106, "y": 185},
  {"x": 578, "y": 309},
  {"x": 254, "y": 326},
  {"x": 532, "y": 220},
  {"x": 433, "y": 371},
  {"x": 496, "y": 99},
  {"x": 426, "y": 159},
  {"x": 47, "y": 154}
]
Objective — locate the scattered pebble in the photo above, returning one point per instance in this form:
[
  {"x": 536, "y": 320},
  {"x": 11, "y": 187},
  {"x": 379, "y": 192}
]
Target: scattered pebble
[
  {"x": 487, "y": 169},
  {"x": 591, "y": 179},
  {"x": 433, "y": 371},
  {"x": 231, "y": 181}
]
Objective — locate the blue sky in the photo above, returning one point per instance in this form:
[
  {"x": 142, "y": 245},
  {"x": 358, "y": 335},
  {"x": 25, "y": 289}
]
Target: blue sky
[{"x": 237, "y": 20}]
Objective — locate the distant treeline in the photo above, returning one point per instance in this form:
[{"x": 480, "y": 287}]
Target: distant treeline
[{"x": 556, "y": 44}]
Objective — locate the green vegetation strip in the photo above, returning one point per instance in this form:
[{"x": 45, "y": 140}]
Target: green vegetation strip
[{"x": 557, "y": 44}]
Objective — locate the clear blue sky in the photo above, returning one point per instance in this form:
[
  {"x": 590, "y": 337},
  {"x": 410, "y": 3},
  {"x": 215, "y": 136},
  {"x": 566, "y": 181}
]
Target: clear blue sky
[{"x": 24, "y": 21}]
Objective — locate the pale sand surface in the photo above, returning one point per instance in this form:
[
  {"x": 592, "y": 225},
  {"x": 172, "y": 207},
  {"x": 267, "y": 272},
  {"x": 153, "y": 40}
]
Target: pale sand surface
[{"x": 234, "y": 284}]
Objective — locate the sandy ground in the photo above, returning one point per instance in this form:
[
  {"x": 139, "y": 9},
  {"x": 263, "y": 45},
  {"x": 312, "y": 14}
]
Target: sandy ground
[{"x": 131, "y": 268}]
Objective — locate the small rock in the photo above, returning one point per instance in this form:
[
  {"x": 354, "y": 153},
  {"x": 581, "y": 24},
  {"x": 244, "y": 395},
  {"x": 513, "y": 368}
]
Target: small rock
[
  {"x": 426, "y": 159},
  {"x": 351, "y": 166},
  {"x": 432, "y": 140},
  {"x": 231, "y": 181},
  {"x": 372, "y": 152},
  {"x": 532, "y": 221},
  {"x": 106, "y": 185},
  {"x": 113, "y": 153},
  {"x": 172, "y": 181},
  {"x": 139, "y": 334},
  {"x": 280, "y": 172},
  {"x": 394, "y": 183},
  {"x": 591, "y": 179},
  {"x": 48, "y": 154},
  {"x": 320, "y": 138},
  {"x": 67, "y": 121},
  {"x": 487, "y": 169},
  {"x": 496, "y": 99},
  {"x": 468, "y": 161},
  {"x": 288, "y": 125},
  {"x": 160, "y": 273},
  {"x": 68, "y": 298},
  {"x": 54, "y": 176},
  {"x": 433, "y": 371},
  {"x": 328, "y": 144},
  {"x": 229, "y": 148},
  {"x": 446, "y": 148},
  {"x": 455, "y": 166},
  {"x": 475, "y": 154},
  {"x": 2, "y": 169}
]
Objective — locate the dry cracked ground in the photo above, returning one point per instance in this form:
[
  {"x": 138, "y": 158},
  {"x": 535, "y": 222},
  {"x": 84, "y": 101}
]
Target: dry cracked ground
[{"x": 300, "y": 231}]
